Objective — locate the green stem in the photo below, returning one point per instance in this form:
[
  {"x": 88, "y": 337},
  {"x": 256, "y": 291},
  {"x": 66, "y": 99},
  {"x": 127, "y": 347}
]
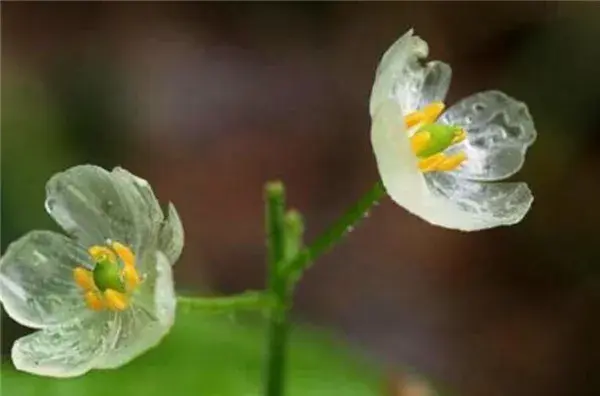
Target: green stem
[
  {"x": 277, "y": 350},
  {"x": 334, "y": 233},
  {"x": 278, "y": 324},
  {"x": 247, "y": 300}
]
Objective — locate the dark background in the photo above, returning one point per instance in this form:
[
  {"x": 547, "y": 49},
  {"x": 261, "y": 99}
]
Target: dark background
[{"x": 207, "y": 101}]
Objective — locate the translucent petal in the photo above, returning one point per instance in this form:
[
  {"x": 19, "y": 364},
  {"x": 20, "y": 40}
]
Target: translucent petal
[
  {"x": 147, "y": 321},
  {"x": 65, "y": 351},
  {"x": 151, "y": 206},
  {"x": 401, "y": 76},
  {"x": 396, "y": 162},
  {"x": 171, "y": 237},
  {"x": 147, "y": 206},
  {"x": 470, "y": 206},
  {"x": 36, "y": 279},
  {"x": 500, "y": 129},
  {"x": 95, "y": 205}
]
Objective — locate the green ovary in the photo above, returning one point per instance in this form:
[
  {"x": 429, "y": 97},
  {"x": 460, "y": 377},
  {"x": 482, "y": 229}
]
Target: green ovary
[
  {"x": 107, "y": 275},
  {"x": 440, "y": 138}
]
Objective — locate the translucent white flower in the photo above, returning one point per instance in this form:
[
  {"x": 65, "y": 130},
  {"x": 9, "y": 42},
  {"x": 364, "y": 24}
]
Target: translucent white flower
[
  {"x": 103, "y": 297},
  {"x": 440, "y": 165}
]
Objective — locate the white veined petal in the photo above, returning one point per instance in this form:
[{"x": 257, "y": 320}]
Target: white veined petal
[
  {"x": 401, "y": 76},
  {"x": 146, "y": 201},
  {"x": 147, "y": 321},
  {"x": 68, "y": 350},
  {"x": 171, "y": 236},
  {"x": 471, "y": 206},
  {"x": 36, "y": 279},
  {"x": 500, "y": 130},
  {"x": 95, "y": 205}
]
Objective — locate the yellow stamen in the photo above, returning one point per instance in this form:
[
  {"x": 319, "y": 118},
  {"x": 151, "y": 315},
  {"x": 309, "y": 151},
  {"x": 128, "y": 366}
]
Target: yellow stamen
[
  {"x": 124, "y": 253},
  {"x": 430, "y": 164},
  {"x": 84, "y": 278},
  {"x": 413, "y": 119},
  {"x": 432, "y": 111},
  {"x": 114, "y": 300},
  {"x": 131, "y": 277},
  {"x": 93, "y": 301},
  {"x": 101, "y": 253},
  {"x": 459, "y": 137},
  {"x": 427, "y": 114},
  {"x": 452, "y": 162},
  {"x": 419, "y": 141}
]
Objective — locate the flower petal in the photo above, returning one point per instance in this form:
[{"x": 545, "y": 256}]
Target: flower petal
[
  {"x": 401, "y": 76},
  {"x": 470, "y": 206},
  {"x": 36, "y": 278},
  {"x": 150, "y": 205},
  {"x": 171, "y": 236},
  {"x": 95, "y": 205},
  {"x": 147, "y": 321},
  {"x": 396, "y": 162},
  {"x": 500, "y": 130},
  {"x": 65, "y": 351}
]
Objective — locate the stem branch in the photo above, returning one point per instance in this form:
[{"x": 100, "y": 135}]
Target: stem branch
[{"x": 334, "y": 233}]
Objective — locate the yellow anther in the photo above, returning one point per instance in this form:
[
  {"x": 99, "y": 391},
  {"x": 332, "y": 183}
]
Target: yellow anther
[
  {"x": 419, "y": 141},
  {"x": 84, "y": 278},
  {"x": 432, "y": 111},
  {"x": 427, "y": 114},
  {"x": 459, "y": 137},
  {"x": 114, "y": 300},
  {"x": 131, "y": 277},
  {"x": 452, "y": 162},
  {"x": 101, "y": 253},
  {"x": 430, "y": 164},
  {"x": 413, "y": 119},
  {"x": 94, "y": 301},
  {"x": 124, "y": 253}
]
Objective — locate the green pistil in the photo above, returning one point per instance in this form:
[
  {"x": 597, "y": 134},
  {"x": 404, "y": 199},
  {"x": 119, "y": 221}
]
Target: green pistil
[
  {"x": 107, "y": 275},
  {"x": 441, "y": 137}
]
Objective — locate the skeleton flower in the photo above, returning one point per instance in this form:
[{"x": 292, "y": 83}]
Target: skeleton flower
[
  {"x": 104, "y": 297},
  {"x": 440, "y": 165}
]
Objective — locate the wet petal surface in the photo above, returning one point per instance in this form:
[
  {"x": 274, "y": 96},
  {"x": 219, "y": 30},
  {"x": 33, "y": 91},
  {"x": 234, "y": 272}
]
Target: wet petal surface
[
  {"x": 499, "y": 132},
  {"x": 36, "y": 279}
]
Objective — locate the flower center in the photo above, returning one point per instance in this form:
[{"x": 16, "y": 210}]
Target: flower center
[
  {"x": 113, "y": 279},
  {"x": 430, "y": 139}
]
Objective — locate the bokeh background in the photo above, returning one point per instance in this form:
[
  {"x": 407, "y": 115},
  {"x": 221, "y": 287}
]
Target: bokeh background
[{"x": 208, "y": 101}]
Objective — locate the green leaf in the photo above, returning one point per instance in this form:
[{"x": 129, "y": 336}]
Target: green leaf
[{"x": 216, "y": 356}]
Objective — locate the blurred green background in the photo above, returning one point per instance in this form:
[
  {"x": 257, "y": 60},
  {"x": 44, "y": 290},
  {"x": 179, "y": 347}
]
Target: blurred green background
[{"x": 207, "y": 101}]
